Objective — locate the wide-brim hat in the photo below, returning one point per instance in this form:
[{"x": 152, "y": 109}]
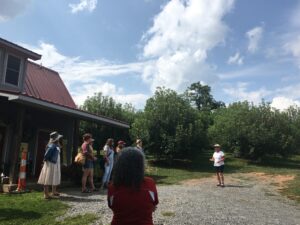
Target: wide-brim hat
[
  {"x": 55, "y": 136},
  {"x": 121, "y": 142},
  {"x": 217, "y": 146}
]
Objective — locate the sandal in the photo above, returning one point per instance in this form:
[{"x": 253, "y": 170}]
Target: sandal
[
  {"x": 86, "y": 191},
  {"x": 95, "y": 189},
  {"x": 56, "y": 194},
  {"x": 47, "y": 197},
  {"x": 222, "y": 185},
  {"x": 218, "y": 185}
]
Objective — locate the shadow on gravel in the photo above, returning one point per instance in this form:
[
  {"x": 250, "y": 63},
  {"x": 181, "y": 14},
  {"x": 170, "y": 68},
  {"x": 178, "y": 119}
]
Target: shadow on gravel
[
  {"x": 76, "y": 199},
  {"x": 238, "y": 186},
  {"x": 77, "y": 193}
]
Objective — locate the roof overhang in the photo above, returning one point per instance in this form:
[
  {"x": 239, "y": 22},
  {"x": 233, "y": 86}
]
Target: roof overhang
[
  {"x": 30, "y": 54},
  {"x": 80, "y": 114}
]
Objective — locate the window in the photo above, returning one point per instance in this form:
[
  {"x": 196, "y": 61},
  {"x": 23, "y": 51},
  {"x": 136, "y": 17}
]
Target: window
[{"x": 13, "y": 68}]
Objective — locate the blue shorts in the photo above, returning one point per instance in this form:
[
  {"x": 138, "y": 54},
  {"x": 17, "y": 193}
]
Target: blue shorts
[
  {"x": 219, "y": 169},
  {"x": 89, "y": 164}
]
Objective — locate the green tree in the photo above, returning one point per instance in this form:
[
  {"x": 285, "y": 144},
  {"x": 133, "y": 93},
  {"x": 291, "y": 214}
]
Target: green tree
[
  {"x": 170, "y": 126},
  {"x": 200, "y": 96},
  {"x": 107, "y": 106},
  {"x": 253, "y": 131}
]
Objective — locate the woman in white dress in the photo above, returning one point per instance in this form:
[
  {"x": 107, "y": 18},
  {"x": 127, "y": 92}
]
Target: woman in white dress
[{"x": 50, "y": 174}]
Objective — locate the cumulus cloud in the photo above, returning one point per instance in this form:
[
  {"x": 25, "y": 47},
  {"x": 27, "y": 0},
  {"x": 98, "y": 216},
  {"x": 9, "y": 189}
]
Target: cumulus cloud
[
  {"x": 295, "y": 16},
  {"x": 254, "y": 36},
  {"x": 73, "y": 69},
  {"x": 81, "y": 92},
  {"x": 236, "y": 59},
  {"x": 89, "y": 5},
  {"x": 240, "y": 92},
  {"x": 283, "y": 103},
  {"x": 280, "y": 98},
  {"x": 9, "y": 9},
  {"x": 179, "y": 40},
  {"x": 292, "y": 46},
  {"x": 85, "y": 77}
]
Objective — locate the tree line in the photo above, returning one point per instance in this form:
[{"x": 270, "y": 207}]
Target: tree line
[{"x": 174, "y": 125}]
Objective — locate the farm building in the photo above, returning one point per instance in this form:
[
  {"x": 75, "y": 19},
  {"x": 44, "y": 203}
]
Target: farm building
[{"x": 33, "y": 102}]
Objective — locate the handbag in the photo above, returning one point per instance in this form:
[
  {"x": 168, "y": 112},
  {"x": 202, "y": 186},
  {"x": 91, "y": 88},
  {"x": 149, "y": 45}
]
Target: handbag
[{"x": 80, "y": 158}]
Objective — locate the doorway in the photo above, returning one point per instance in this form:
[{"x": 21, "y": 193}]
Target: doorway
[
  {"x": 43, "y": 138},
  {"x": 2, "y": 140}
]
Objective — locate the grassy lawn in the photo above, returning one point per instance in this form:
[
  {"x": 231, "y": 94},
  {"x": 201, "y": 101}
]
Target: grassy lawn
[
  {"x": 32, "y": 209},
  {"x": 200, "y": 167}
]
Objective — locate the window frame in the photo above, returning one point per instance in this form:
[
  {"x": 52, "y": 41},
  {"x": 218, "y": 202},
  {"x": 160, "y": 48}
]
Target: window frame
[{"x": 20, "y": 71}]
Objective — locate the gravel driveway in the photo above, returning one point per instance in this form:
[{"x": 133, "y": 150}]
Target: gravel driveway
[{"x": 242, "y": 201}]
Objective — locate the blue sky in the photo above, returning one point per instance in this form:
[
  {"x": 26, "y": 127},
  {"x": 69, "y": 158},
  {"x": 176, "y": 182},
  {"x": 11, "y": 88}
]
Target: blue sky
[{"x": 245, "y": 50}]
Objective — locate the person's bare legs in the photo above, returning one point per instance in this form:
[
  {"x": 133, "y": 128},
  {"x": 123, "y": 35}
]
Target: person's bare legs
[
  {"x": 219, "y": 178},
  {"x": 84, "y": 178},
  {"x": 54, "y": 192},
  {"x": 222, "y": 178},
  {"x": 91, "y": 179},
  {"x": 46, "y": 191}
]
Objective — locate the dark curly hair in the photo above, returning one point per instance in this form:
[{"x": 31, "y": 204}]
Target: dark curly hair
[{"x": 129, "y": 170}]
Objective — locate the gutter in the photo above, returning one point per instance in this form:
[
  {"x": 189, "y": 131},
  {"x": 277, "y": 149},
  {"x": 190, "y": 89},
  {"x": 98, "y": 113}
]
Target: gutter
[{"x": 69, "y": 111}]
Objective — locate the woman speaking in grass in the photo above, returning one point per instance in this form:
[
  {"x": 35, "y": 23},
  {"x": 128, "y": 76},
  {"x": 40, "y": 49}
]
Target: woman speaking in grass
[
  {"x": 132, "y": 196},
  {"x": 218, "y": 159}
]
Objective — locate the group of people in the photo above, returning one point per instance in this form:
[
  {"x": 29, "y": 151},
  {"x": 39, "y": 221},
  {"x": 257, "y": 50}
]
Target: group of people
[
  {"x": 110, "y": 155},
  {"x": 131, "y": 195}
]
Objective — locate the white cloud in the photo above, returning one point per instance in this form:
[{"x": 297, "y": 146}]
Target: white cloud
[
  {"x": 291, "y": 91},
  {"x": 240, "y": 92},
  {"x": 108, "y": 89},
  {"x": 295, "y": 16},
  {"x": 254, "y": 36},
  {"x": 281, "y": 98},
  {"x": 292, "y": 46},
  {"x": 9, "y": 9},
  {"x": 283, "y": 103},
  {"x": 236, "y": 59},
  {"x": 89, "y": 5},
  {"x": 85, "y": 77},
  {"x": 179, "y": 40},
  {"x": 73, "y": 69}
]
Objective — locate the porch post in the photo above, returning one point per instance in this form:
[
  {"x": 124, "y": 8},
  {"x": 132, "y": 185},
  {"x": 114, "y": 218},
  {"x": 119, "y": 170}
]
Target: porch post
[
  {"x": 75, "y": 139},
  {"x": 16, "y": 143}
]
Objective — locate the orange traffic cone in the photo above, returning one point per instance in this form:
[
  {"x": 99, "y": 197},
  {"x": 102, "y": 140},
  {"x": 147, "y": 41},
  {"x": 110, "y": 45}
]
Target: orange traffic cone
[{"x": 22, "y": 174}]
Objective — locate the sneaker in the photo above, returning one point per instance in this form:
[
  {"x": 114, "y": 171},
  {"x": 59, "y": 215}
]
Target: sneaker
[{"x": 86, "y": 191}]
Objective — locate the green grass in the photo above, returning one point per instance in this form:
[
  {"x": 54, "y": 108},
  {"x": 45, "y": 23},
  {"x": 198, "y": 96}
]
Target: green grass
[
  {"x": 168, "y": 214},
  {"x": 32, "y": 209},
  {"x": 166, "y": 174}
]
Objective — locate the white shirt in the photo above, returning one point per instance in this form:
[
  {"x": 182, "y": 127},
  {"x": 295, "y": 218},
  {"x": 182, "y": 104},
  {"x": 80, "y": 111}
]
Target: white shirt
[
  {"x": 109, "y": 153},
  {"x": 217, "y": 157}
]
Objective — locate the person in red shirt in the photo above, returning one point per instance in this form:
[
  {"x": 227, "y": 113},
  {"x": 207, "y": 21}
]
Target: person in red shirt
[{"x": 131, "y": 196}]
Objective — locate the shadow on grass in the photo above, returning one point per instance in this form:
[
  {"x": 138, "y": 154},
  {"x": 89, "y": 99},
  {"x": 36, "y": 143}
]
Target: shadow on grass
[
  {"x": 159, "y": 179},
  {"x": 199, "y": 164},
  {"x": 277, "y": 162},
  {"x": 76, "y": 199},
  {"x": 7, "y": 214}
]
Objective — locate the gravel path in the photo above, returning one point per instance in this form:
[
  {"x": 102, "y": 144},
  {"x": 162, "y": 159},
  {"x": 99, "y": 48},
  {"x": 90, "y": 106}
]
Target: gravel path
[{"x": 242, "y": 201}]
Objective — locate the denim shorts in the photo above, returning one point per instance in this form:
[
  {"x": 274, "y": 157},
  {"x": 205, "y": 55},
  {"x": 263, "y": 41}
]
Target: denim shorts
[
  {"x": 89, "y": 164},
  {"x": 219, "y": 169}
]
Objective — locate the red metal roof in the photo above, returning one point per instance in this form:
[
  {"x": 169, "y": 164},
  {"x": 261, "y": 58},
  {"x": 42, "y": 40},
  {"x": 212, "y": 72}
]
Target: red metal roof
[{"x": 45, "y": 84}]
